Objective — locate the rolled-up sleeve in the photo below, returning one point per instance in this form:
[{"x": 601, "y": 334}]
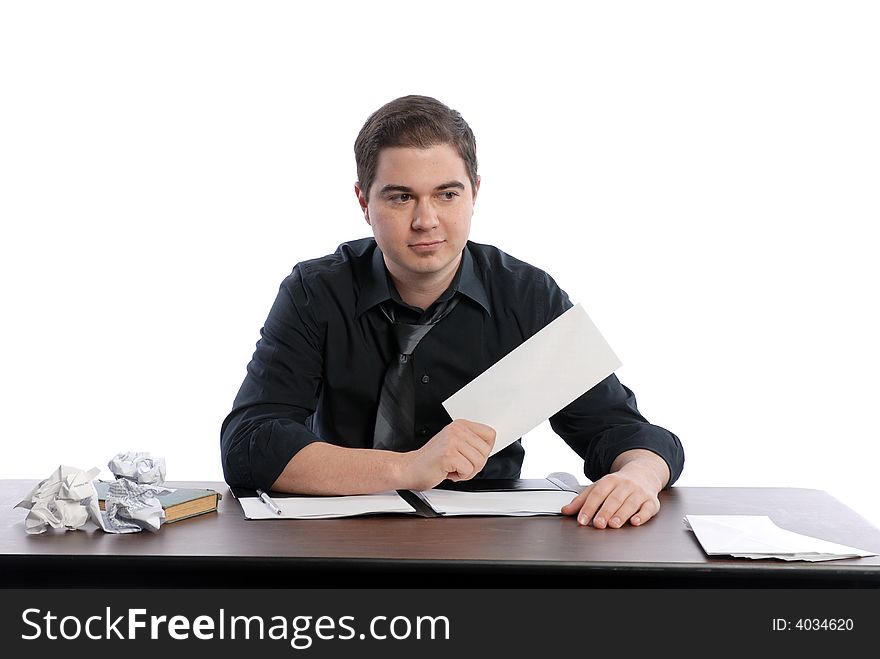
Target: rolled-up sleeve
[
  {"x": 605, "y": 421},
  {"x": 268, "y": 422}
]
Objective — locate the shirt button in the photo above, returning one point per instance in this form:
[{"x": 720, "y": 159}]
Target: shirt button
[{"x": 425, "y": 379}]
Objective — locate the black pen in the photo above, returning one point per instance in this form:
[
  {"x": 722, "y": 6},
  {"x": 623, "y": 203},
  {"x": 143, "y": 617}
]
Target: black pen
[{"x": 265, "y": 498}]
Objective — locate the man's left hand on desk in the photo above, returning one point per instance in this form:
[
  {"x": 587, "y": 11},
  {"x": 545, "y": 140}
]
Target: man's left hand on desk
[{"x": 628, "y": 493}]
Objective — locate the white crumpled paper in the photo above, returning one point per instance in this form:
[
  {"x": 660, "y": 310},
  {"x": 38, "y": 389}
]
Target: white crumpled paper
[
  {"x": 131, "y": 507},
  {"x": 138, "y": 467},
  {"x": 67, "y": 499}
]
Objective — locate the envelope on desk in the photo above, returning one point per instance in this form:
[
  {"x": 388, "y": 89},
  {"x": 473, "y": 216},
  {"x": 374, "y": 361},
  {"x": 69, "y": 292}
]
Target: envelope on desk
[{"x": 756, "y": 536}]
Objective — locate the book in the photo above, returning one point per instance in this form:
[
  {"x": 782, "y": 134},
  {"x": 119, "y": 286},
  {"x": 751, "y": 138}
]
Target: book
[
  {"x": 180, "y": 503},
  {"x": 509, "y": 497}
]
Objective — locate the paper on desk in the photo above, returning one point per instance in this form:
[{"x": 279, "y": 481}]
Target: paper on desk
[
  {"x": 326, "y": 507},
  {"x": 756, "y": 536},
  {"x": 139, "y": 467},
  {"x": 131, "y": 507},
  {"x": 537, "y": 379},
  {"x": 513, "y": 503},
  {"x": 66, "y": 499}
]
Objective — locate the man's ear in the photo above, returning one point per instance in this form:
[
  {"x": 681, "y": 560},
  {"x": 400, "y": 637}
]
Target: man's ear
[
  {"x": 476, "y": 188},
  {"x": 362, "y": 200}
]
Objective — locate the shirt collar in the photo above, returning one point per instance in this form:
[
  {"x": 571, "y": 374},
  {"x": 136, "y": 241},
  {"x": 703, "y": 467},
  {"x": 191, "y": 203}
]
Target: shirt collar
[
  {"x": 375, "y": 288},
  {"x": 471, "y": 282}
]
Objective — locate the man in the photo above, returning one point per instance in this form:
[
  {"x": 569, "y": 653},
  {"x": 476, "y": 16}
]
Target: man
[{"x": 343, "y": 394}]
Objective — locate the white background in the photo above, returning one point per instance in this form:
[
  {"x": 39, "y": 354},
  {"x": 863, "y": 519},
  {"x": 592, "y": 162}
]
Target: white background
[{"x": 702, "y": 176}]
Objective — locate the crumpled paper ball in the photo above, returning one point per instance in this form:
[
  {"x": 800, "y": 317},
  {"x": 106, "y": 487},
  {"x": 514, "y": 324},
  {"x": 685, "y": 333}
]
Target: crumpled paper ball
[
  {"x": 131, "y": 507},
  {"x": 67, "y": 499},
  {"x": 138, "y": 467}
]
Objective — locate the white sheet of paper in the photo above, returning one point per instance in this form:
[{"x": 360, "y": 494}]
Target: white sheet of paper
[
  {"x": 537, "y": 379},
  {"x": 756, "y": 536},
  {"x": 516, "y": 503},
  {"x": 326, "y": 507}
]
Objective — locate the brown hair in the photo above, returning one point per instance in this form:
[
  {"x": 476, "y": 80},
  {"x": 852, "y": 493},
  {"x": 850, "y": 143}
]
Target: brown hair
[{"x": 412, "y": 121}]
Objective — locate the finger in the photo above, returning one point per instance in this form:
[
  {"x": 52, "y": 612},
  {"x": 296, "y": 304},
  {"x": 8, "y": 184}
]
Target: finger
[
  {"x": 460, "y": 464},
  {"x": 484, "y": 432},
  {"x": 474, "y": 456},
  {"x": 465, "y": 435},
  {"x": 600, "y": 492},
  {"x": 479, "y": 444},
  {"x": 575, "y": 504},
  {"x": 459, "y": 433},
  {"x": 650, "y": 508},
  {"x": 627, "y": 509},
  {"x": 610, "y": 505}
]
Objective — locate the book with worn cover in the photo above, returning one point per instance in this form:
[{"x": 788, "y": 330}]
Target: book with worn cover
[{"x": 180, "y": 504}]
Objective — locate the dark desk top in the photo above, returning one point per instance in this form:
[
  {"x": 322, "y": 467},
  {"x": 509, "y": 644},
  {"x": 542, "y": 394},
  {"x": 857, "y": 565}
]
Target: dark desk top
[{"x": 224, "y": 549}]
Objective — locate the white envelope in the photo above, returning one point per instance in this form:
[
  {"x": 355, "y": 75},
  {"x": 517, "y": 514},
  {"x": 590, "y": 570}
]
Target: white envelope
[
  {"x": 556, "y": 366},
  {"x": 756, "y": 536}
]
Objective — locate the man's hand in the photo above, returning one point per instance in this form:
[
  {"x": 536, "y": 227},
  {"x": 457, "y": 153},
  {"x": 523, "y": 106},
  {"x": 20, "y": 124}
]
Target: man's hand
[
  {"x": 458, "y": 452},
  {"x": 628, "y": 493}
]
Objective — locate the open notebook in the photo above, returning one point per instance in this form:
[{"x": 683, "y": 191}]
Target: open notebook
[{"x": 519, "y": 497}]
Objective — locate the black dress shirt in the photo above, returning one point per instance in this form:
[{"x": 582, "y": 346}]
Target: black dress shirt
[{"x": 317, "y": 370}]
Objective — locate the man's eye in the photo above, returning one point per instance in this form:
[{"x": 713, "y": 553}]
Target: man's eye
[
  {"x": 449, "y": 195},
  {"x": 402, "y": 197}
]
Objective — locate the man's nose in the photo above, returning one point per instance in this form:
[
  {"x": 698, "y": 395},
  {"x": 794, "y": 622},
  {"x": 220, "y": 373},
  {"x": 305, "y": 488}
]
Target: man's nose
[{"x": 425, "y": 217}]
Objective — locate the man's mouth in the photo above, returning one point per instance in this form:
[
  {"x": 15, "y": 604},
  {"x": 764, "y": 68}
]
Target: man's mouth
[{"x": 427, "y": 246}]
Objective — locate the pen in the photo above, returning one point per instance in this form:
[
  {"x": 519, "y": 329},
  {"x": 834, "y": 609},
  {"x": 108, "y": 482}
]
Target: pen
[{"x": 272, "y": 506}]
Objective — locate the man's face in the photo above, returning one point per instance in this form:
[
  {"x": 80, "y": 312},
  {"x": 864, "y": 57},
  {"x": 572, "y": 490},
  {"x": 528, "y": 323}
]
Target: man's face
[{"x": 420, "y": 210}]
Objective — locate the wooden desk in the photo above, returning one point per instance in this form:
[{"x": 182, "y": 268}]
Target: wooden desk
[{"x": 224, "y": 550}]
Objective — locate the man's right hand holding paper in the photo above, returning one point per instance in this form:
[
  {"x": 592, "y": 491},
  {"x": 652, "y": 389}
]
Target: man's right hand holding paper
[{"x": 457, "y": 453}]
